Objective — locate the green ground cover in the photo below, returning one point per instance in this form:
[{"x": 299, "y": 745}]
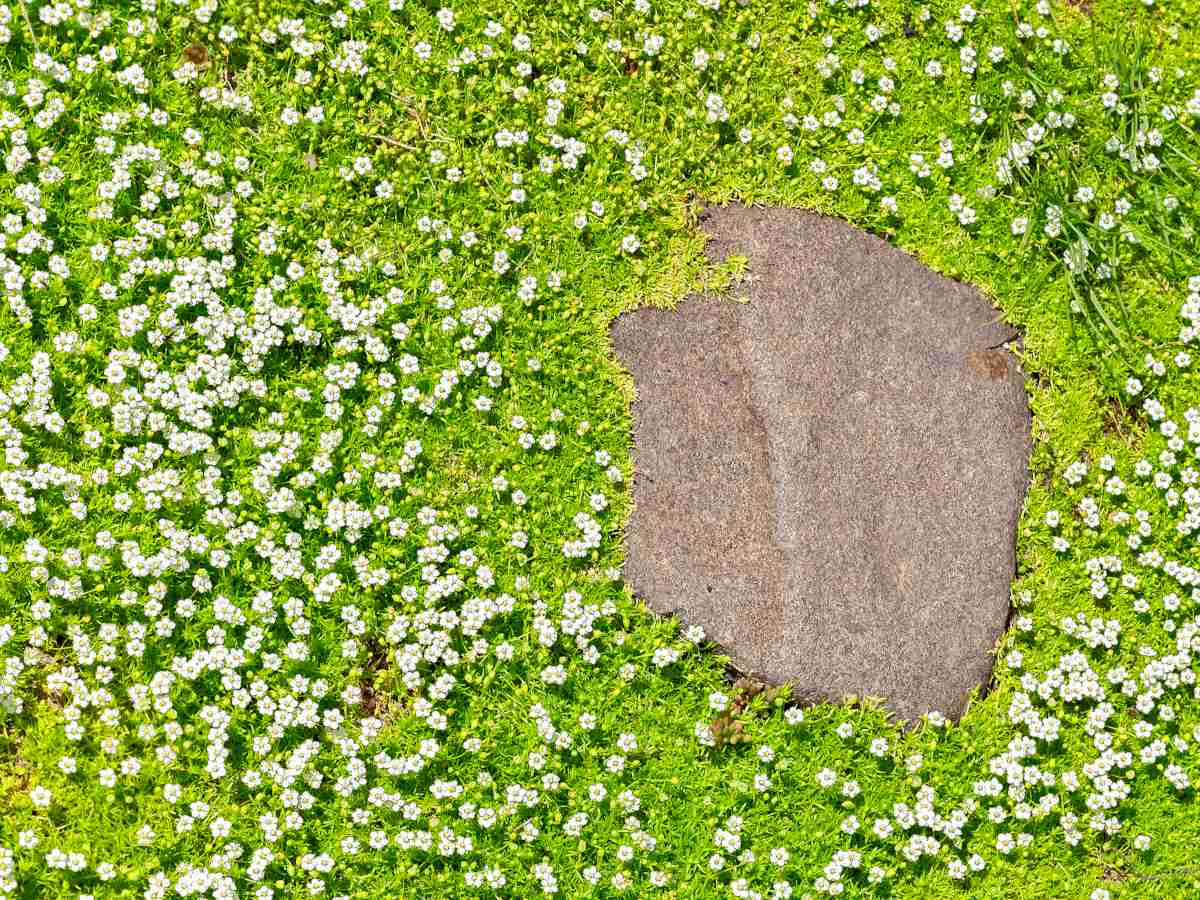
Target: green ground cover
[{"x": 316, "y": 460}]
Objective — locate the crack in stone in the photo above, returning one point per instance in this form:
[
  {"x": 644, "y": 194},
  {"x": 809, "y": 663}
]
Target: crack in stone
[{"x": 765, "y": 620}]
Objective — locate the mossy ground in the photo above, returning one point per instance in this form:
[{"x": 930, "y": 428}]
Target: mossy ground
[{"x": 407, "y": 107}]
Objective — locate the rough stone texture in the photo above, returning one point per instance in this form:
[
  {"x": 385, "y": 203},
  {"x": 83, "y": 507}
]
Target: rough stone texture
[{"x": 828, "y": 476}]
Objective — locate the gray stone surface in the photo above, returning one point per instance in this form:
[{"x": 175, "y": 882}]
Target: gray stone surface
[{"x": 828, "y": 476}]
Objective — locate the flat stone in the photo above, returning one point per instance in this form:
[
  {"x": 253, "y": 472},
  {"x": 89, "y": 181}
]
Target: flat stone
[{"x": 828, "y": 475}]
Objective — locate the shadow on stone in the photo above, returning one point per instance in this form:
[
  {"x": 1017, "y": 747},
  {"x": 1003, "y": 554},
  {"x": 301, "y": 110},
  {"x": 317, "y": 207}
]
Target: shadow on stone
[{"x": 828, "y": 476}]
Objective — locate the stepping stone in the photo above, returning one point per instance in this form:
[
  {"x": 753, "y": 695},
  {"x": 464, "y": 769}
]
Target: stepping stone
[{"x": 828, "y": 475}]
